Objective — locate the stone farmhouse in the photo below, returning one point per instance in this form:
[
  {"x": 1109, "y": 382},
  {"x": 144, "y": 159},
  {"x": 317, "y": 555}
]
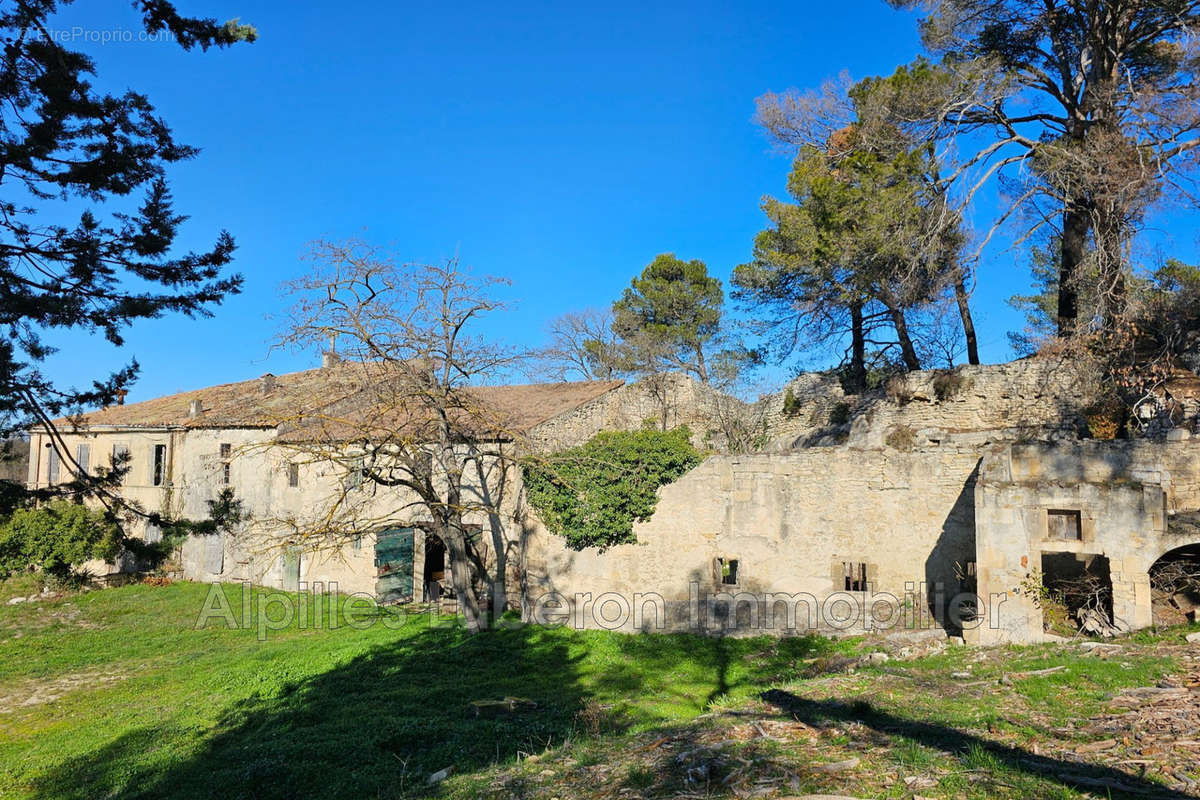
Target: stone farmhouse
[{"x": 933, "y": 504}]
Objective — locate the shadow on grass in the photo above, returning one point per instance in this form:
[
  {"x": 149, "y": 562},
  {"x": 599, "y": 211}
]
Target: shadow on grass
[
  {"x": 381, "y": 723},
  {"x": 376, "y": 726},
  {"x": 1096, "y": 780}
]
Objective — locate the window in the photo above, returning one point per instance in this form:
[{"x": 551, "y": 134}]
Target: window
[
  {"x": 1064, "y": 526},
  {"x": 120, "y": 458},
  {"x": 729, "y": 571},
  {"x": 153, "y": 533},
  {"x": 158, "y": 459},
  {"x": 226, "y": 454},
  {"x": 357, "y": 543},
  {"x": 52, "y": 465},
  {"x": 354, "y": 476},
  {"x": 293, "y": 475},
  {"x": 83, "y": 455},
  {"x": 855, "y": 576}
]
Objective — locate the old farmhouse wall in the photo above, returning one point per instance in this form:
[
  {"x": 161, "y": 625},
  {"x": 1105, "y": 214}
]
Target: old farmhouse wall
[
  {"x": 1118, "y": 501},
  {"x": 792, "y": 522},
  {"x": 836, "y": 526}
]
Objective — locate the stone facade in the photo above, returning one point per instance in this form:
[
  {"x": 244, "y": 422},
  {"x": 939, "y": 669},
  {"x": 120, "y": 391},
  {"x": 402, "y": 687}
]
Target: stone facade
[
  {"x": 1120, "y": 498},
  {"x": 841, "y": 526},
  {"x": 792, "y": 523}
]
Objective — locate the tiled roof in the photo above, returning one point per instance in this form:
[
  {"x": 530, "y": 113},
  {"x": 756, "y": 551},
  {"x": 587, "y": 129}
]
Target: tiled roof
[
  {"x": 482, "y": 410},
  {"x": 293, "y": 403}
]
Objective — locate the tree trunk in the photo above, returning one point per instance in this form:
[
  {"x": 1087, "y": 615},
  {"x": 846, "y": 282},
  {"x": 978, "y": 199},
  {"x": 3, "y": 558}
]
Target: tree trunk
[
  {"x": 702, "y": 368},
  {"x": 907, "y": 351},
  {"x": 500, "y": 577},
  {"x": 858, "y": 350},
  {"x": 455, "y": 539},
  {"x": 1110, "y": 248},
  {"x": 1073, "y": 248},
  {"x": 964, "y": 311}
]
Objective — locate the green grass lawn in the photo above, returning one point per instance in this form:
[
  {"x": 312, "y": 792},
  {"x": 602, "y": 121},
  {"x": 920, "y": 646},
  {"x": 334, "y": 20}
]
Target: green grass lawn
[{"x": 116, "y": 694}]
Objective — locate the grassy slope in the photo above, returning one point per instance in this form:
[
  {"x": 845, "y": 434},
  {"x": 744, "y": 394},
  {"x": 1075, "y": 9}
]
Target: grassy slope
[
  {"x": 130, "y": 700},
  {"x": 149, "y": 706}
]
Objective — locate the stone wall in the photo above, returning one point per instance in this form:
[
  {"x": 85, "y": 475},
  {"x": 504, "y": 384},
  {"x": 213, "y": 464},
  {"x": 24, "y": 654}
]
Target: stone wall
[
  {"x": 1032, "y": 397},
  {"x": 790, "y": 521},
  {"x": 660, "y": 401},
  {"x": 1125, "y": 494}
]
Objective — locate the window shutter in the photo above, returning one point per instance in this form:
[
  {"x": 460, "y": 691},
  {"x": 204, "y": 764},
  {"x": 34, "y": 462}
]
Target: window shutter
[{"x": 214, "y": 553}]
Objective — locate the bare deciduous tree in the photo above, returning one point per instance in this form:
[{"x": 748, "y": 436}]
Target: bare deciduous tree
[
  {"x": 417, "y": 442},
  {"x": 582, "y": 347}
]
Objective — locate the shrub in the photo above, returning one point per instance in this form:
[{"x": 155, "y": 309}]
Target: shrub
[
  {"x": 56, "y": 537},
  {"x": 901, "y": 437},
  {"x": 839, "y": 414},
  {"x": 948, "y": 385},
  {"x": 1105, "y": 418},
  {"x": 791, "y": 403},
  {"x": 898, "y": 391},
  {"x": 592, "y": 494}
]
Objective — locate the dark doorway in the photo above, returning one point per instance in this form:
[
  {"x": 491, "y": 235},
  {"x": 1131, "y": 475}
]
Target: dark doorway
[
  {"x": 1077, "y": 594},
  {"x": 435, "y": 568}
]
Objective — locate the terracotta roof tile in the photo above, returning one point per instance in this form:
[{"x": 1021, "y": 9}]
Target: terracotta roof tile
[{"x": 289, "y": 401}]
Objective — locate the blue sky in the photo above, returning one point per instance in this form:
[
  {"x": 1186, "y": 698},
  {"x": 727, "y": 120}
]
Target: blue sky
[{"x": 560, "y": 145}]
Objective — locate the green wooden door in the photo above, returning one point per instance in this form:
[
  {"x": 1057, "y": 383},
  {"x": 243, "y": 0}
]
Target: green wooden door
[{"x": 394, "y": 565}]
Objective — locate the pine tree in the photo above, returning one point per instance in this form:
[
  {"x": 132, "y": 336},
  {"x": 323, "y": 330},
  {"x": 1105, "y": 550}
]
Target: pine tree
[{"x": 64, "y": 144}]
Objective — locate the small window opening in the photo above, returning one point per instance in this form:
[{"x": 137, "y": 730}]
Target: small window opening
[
  {"x": 293, "y": 476},
  {"x": 729, "y": 571},
  {"x": 159, "y": 460},
  {"x": 354, "y": 475},
  {"x": 226, "y": 471},
  {"x": 855, "y": 576},
  {"x": 357, "y": 543},
  {"x": 1064, "y": 526}
]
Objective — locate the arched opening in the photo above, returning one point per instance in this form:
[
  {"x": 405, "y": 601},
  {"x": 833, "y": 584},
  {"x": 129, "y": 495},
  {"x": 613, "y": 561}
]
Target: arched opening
[{"x": 1175, "y": 586}]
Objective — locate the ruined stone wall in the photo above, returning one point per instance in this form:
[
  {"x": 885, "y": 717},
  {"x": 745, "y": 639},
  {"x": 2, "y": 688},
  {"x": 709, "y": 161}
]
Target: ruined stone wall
[
  {"x": 661, "y": 401},
  {"x": 1032, "y": 396},
  {"x": 1126, "y": 495},
  {"x": 789, "y": 520}
]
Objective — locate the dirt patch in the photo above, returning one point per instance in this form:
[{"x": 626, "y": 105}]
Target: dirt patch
[
  {"x": 36, "y": 693},
  {"x": 1153, "y": 729},
  {"x": 40, "y": 616}
]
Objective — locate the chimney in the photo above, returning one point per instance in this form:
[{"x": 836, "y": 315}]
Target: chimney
[
  {"x": 195, "y": 409},
  {"x": 329, "y": 358},
  {"x": 267, "y": 383},
  {"x": 121, "y": 396}
]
